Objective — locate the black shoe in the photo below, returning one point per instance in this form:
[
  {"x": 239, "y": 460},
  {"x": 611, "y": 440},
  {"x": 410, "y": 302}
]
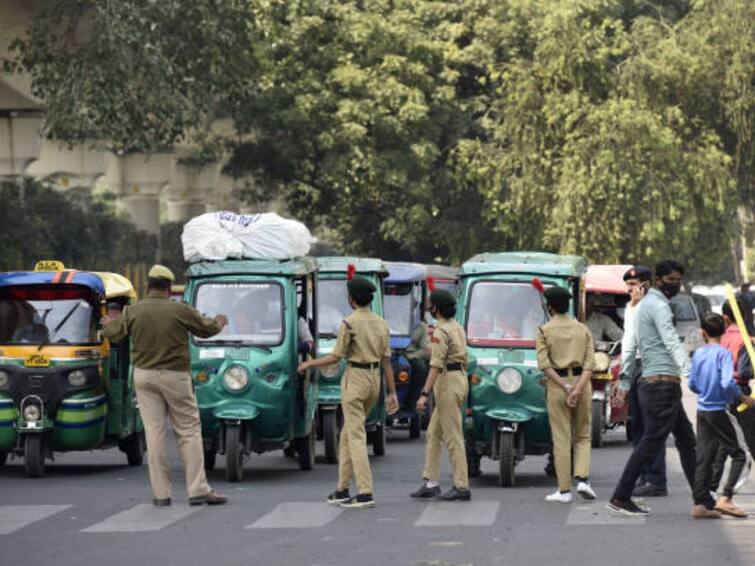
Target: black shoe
[
  {"x": 338, "y": 497},
  {"x": 425, "y": 492},
  {"x": 649, "y": 490},
  {"x": 210, "y": 498},
  {"x": 455, "y": 494},
  {"x": 161, "y": 502},
  {"x": 628, "y": 508},
  {"x": 361, "y": 501}
]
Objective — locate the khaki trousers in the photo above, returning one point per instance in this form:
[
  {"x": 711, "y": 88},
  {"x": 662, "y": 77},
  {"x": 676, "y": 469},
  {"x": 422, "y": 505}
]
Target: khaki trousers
[
  {"x": 360, "y": 390},
  {"x": 161, "y": 394},
  {"x": 569, "y": 427},
  {"x": 450, "y": 392}
]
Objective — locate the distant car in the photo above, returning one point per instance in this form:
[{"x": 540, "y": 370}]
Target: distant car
[
  {"x": 687, "y": 321},
  {"x": 715, "y": 294},
  {"x": 703, "y": 304}
]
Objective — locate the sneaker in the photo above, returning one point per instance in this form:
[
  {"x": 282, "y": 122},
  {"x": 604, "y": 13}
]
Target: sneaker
[
  {"x": 361, "y": 501},
  {"x": 584, "y": 489},
  {"x": 210, "y": 498},
  {"x": 649, "y": 490},
  {"x": 338, "y": 496},
  {"x": 161, "y": 502},
  {"x": 726, "y": 506},
  {"x": 425, "y": 492},
  {"x": 628, "y": 508},
  {"x": 702, "y": 512},
  {"x": 456, "y": 494},
  {"x": 559, "y": 497}
]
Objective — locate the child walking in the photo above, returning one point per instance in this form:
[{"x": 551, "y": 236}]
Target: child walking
[{"x": 712, "y": 379}]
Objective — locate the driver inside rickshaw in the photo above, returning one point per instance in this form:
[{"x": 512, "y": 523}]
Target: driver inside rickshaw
[
  {"x": 504, "y": 311},
  {"x": 601, "y": 326}
]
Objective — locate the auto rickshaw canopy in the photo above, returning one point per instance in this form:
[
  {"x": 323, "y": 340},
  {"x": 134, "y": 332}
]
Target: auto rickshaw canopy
[
  {"x": 534, "y": 263},
  {"x": 295, "y": 267},
  {"x": 116, "y": 286},
  {"x": 340, "y": 264},
  {"x": 608, "y": 279},
  {"x": 53, "y": 278},
  {"x": 400, "y": 272}
]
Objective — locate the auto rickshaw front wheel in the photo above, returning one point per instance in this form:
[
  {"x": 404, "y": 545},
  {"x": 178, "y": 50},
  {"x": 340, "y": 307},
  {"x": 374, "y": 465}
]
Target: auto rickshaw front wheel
[
  {"x": 507, "y": 451},
  {"x": 597, "y": 423},
  {"x": 378, "y": 441},
  {"x": 234, "y": 454},
  {"x": 34, "y": 458},
  {"x": 306, "y": 450},
  {"x": 134, "y": 447},
  {"x": 3, "y": 458},
  {"x": 330, "y": 435},
  {"x": 415, "y": 426}
]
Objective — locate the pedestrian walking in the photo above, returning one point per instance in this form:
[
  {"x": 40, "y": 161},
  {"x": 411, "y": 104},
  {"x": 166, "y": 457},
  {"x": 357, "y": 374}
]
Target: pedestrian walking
[
  {"x": 664, "y": 363},
  {"x": 712, "y": 379},
  {"x": 159, "y": 330},
  {"x": 364, "y": 340},
  {"x": 447, "y": 381},
  {"x": 566, "y": 355}
]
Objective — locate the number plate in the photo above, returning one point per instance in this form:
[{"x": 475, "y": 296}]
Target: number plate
[{"x": 37, "y": 361}]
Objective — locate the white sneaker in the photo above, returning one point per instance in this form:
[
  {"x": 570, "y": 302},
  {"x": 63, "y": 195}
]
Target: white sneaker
[
  {"x": 559, "y": 497},
  {"x": 584, "y": 489}
]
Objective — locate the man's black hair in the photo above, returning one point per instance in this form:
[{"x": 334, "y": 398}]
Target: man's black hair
[
  {"x": 158, "y": 284},
  {"x": 713, "y": 324},
  {"x": 726, "y": 309},
  {"x": 668, "y": 266}
]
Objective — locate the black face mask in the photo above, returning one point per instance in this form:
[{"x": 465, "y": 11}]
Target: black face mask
[{"x": 671, "y": 290}]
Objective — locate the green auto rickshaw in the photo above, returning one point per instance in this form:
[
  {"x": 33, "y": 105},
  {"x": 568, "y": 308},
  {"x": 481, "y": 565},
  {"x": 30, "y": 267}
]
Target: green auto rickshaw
[
  {"x": 333, "y": 307},
  {"x": 501, "y": 311},
  {"x": 62, "y": 386},
  {"x": 251, "y": 397}
]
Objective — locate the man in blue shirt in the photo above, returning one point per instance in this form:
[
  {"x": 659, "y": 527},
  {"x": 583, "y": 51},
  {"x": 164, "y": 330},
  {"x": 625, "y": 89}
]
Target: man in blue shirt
[{"x": 664, "y": 363}]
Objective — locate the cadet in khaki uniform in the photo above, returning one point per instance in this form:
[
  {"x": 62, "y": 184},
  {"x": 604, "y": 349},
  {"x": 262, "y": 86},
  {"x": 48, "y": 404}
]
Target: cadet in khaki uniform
[
  {"x": 448, "y": 382},
  {"x": 565, "y": 353},
  {"x": 364, "y": 340},
  {"x": 159, "y": 329}
]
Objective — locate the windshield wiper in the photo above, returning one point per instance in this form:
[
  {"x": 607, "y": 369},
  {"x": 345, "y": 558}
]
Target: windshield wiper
[{"x": 61, "y": 323}]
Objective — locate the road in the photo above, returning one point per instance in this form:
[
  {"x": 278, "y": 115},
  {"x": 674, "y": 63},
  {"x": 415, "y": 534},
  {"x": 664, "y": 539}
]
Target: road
[{"x": 91, "y": 508}]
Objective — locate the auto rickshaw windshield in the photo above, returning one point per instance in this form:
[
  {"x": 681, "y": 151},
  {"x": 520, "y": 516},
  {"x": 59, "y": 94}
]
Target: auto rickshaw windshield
[
  {"x": 399, "y": 304},
  {"x": 254, "y": 311},
  {"x": 504, "y": 313},
  {"x": 43, "y": 316},
  {"x": 332, "y": 306}
]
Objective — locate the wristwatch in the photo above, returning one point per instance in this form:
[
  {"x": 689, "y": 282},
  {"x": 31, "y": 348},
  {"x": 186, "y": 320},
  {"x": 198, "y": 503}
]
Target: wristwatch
[{"x": 424, "y": 393}]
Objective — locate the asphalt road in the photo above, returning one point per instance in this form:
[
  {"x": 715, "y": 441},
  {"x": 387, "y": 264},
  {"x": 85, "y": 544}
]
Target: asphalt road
[{"x": 91, "y": 508}]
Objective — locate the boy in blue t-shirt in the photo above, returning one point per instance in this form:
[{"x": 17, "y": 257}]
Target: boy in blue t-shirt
[{"x": 712, "y": 378}]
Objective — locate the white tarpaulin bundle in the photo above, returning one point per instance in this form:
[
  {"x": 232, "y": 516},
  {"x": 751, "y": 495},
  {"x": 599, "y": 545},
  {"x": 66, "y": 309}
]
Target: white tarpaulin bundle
[{"x": 221, "y": 235}]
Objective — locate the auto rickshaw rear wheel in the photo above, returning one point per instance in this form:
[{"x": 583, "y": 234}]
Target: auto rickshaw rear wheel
[
  {"x": 597, "y": 423},
  {"x": 378, "y": 441},
  {"x": 134, "y": 447},
  {"x": 415, "y": 426},
  {"x": 234, "y": 454},
  {"x": 306, "y": 451},
  {"x": 34, "y": 459},
  {"x": 3, "y": 458},
  {"x": 507, "y": 451},
  {"x": 428, "y": 412},
  {"x": 330, "y": 435}
]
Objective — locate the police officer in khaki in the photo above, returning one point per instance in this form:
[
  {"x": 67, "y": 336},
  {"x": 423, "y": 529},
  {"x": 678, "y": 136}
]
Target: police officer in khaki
[
  {"x": 364, "y": 340},
  {"x": 159, "y": 329},
  {"x": 448, "y": 382},
  {"x": 566, "y": 355}
]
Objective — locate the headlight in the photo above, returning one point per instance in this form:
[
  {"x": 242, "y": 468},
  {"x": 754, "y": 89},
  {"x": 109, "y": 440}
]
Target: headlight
[
  {"x": 509, "y": 380},
  {"x": 235, "y": 378},
  {"x": 330, "y": 371},
  {"x": 4, "y": 379},
  {"x": 602, "y": 362},
  {"x": 32, "y": 413},
  {"x": 77, "y": 378}
]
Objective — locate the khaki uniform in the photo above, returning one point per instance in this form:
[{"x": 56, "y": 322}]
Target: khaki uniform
[
  {"x": 159, "y": 329},
  {"x": 364, "y": 338},
  {"x": 449, "y": 346},
  {"x": 564, "y": 343}
]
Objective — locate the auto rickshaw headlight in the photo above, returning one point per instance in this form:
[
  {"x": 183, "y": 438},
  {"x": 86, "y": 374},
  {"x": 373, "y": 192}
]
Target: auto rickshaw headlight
[
  {"x": 602, "y": 362},
  {"x": 32, "y": 413},
  {"x": 236, "y": 378},
  {"x": 77, "y": 378},
  {"x": 509, "y": 380},
  {"x": 330, "y": 371},
  {"x": 4, "y": 379}
]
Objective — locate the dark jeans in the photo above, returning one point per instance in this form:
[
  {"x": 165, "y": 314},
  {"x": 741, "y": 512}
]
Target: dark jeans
[
  {"x": 655, "y": 473},
  {"x": 714, "y": 430},
  {"x": 419, "y": 376},
  {"x": 747, "y": 422},
  {"x": 662, "y": 414}
]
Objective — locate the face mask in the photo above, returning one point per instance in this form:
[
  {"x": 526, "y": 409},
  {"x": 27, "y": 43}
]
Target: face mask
[{"x": 670, "y": 289}]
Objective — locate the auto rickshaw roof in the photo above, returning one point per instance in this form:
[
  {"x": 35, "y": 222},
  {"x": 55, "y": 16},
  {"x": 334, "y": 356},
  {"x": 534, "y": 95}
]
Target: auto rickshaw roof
[
  {"x": 531, "y": 263},
  {"x": 293, "y": 267},
  {"x": 607, "y": 279},
  {"x": 28, "y": 278},
  {"x": 116, "y": 285},
  {"x": 442, "y": 271},
  {"x": 402, "y": 272},
  {"x": 340, "y": 264}
]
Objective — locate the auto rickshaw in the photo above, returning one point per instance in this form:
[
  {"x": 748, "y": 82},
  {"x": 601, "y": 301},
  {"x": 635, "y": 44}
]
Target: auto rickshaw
[
  {"x": 332, "y": 308},
  {"x": 444, "y": 277},
  {"x": 607, "y": 293},
  {"x": 62, "y": 386},
  {"x": 501, "y": 310},
  {"x": 405, "y": 298},
  {"x": 177, "y": 292},
  {"x": 251, "y": 397}
]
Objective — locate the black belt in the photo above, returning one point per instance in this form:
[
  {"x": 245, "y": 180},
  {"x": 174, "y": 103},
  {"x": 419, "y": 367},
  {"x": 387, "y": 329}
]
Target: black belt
[
  {"x": 565, "y": 372},
  {"x": 458, "y": 366},
  {"x": 359, "y": 365}
]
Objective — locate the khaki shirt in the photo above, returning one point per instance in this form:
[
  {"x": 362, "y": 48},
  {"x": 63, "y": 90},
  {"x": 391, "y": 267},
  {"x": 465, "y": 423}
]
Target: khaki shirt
[
  {"x": 363, "y": 338},
  {"x": 564, "y": 343},
  {"x": 159, "y": 330},
  {"x": 449, "y": 345}
]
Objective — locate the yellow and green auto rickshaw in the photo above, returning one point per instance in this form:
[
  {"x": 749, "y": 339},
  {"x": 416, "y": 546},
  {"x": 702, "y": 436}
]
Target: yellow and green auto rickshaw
[{"x": 62, "y": 386}]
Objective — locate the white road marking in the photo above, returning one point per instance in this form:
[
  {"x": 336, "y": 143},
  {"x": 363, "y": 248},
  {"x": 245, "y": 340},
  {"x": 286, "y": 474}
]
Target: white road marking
[
  {"x": 596, "y": 514},
  {"x": 142, "y": 518},
  {"x": 16, "y": 517},
  {"x": 297, "y": 516},
  {"x": 459, "y": 513}
]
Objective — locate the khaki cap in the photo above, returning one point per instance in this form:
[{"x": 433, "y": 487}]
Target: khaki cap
[{"x": 160, "y": 272}]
